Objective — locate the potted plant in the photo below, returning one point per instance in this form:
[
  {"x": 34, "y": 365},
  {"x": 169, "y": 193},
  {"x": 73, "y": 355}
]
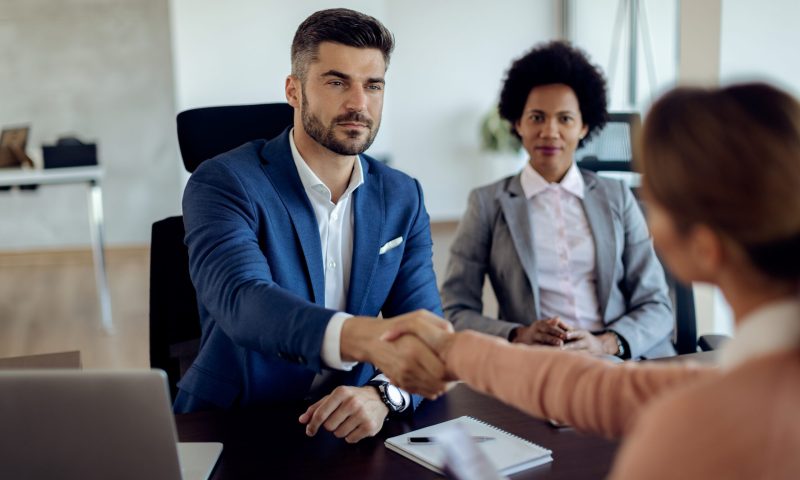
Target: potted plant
[{"x": 502, "y": 147}]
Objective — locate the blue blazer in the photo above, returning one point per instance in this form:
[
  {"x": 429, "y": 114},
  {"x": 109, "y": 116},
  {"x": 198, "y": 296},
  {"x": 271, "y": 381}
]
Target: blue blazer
[{"x": 256, "y": 262}]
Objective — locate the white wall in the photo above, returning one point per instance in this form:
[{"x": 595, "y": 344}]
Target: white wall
[
  {"x": 444, "y": 75},
  {"x": 760, "y": 42},
  {"x": 100, "y": 70}
]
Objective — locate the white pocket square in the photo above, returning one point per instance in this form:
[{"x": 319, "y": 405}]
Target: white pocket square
[{"x": 390, "y": 245}]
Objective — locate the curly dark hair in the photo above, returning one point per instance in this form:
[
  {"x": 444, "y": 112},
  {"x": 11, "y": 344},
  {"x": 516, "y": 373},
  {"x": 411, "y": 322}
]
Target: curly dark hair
[{"x": 551, "y": 63}]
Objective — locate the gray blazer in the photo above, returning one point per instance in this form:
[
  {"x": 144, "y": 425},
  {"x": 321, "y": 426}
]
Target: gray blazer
[{"x": 495, "y": 238}]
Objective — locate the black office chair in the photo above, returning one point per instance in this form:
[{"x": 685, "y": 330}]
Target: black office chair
[
  {"x": 611, "y": 151},
  {"x": 174, "y": 320}
]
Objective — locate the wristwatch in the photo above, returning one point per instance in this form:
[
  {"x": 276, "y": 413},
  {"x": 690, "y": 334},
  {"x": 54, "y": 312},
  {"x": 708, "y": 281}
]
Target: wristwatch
[
  {"x": 390, "y": 395},
  {"x": 621, "y": 351}
]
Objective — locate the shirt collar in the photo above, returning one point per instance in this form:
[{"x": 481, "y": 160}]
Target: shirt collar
[
  {"x": 533, "y": 183},
  {"x": 311, "y": 181},
  {"x": 771, "y": 328}
]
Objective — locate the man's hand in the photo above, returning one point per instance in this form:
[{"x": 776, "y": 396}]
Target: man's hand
[
  {"x": 408, "y": 362},
  {"x": 436, "y": 338},
  {"x": 548, "y": 331},
  {"x": 352, "y": 413},
  {"x": 584, "y": 340}
]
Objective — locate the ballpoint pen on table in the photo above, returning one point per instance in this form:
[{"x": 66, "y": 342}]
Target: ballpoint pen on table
[{"x": 432, "y": 440}]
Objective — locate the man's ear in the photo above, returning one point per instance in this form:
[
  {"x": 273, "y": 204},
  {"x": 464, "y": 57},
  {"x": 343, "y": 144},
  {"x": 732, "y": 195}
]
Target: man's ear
[{"x": 293, "y": 91}]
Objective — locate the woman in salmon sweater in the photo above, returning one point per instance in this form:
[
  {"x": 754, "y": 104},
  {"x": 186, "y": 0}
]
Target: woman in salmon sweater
[{"x": 721, "y": 177}]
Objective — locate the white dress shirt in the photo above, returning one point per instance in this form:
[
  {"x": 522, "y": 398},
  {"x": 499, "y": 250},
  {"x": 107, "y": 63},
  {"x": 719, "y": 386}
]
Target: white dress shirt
[
  {"x": 335, "y": 222},
  {"x": 772, "y": 328},
  {"x": 564, "y": 248}
]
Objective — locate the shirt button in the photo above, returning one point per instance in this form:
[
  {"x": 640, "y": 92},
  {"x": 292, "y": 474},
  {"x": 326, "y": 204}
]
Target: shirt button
[{"x": 331, "y": 265}]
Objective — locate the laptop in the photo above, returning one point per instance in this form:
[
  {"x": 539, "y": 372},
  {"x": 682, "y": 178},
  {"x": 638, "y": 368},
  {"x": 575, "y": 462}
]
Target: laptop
[{"x": 72, "y": 424}]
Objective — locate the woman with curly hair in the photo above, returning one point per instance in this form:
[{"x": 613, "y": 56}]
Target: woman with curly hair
[{"x": 567, "y": 252}]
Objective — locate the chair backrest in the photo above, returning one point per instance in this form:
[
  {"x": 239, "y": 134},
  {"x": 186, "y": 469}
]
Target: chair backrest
[
  {"x": 612, "y": 148},
  {"x": 612, "y": 152},
  {"x": 206, "y": 132},
  {"x": 174, "y": 319}
]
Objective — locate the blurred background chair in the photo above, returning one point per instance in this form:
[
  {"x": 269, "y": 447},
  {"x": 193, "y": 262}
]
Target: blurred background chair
[
  {"x": 203, "y": 133},
  {"x": 610, "y": 154},
  {"x": 612, "y": 149}
]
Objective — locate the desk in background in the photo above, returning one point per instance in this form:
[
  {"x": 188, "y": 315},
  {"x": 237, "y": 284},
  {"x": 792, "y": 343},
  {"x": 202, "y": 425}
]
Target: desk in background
[
  {"x": 271, "y": 443},
  {"x": 90, "y": 176},
  {"x": 70, "y": 359}
]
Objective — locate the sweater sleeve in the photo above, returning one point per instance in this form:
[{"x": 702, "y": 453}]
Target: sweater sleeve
[{"x": 590, "y": 394}]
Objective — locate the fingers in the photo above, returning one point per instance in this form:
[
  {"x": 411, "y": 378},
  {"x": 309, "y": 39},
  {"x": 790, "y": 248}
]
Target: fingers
[
  {"x": 420, "y": 371},
  {"x": 576, "y": 335},
  {"x": 547, "y": 339},
  {"x": 352, "y": 413},
  {"x": 319, "y": 413},
  {"x": 361, "y": 432},
  {"x": 409, "y": 352},
  {"x": 544, "y": 332},
  {"x": 421, "y": 323},
  {"x": 552, "y": 327},
  {"x": 557, "y": 322},
  {"x": 577, "y": 345},
  {"x": 579, "y": 340}
]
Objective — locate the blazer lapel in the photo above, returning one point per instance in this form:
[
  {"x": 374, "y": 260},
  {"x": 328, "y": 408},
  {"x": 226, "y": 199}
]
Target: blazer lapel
[
  {"x": 369, "y": 215},
  {"x": 278, "y": 165},
  {"x": 601, "y": 221},
  {"x": 515, "y": 211}
]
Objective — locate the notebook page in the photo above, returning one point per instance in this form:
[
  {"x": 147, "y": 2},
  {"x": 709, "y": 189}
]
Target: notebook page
[{"x": 507, "y": 453}]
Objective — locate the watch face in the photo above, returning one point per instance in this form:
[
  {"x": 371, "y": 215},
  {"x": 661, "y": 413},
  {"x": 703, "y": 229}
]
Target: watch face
[{"x": 393, "y": 395}]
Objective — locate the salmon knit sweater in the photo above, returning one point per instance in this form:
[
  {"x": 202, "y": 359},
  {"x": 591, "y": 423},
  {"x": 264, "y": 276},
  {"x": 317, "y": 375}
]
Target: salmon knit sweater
[{"x": 678, "y": 420}]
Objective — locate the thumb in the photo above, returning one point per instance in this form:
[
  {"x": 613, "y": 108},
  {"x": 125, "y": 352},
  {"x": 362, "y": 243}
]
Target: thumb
[{"x": 394, "y": 333}]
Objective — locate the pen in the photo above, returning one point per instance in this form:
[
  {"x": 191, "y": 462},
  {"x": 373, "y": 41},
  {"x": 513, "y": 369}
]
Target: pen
[{"x": 431, "y": 440}]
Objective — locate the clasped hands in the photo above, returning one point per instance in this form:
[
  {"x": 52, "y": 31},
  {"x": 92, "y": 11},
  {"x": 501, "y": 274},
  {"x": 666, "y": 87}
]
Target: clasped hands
[{"x": 556, "y": 333}]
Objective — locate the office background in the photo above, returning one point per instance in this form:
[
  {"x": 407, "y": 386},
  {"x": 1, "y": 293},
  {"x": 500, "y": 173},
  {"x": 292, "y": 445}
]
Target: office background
[{"x": 117, "y": 71}]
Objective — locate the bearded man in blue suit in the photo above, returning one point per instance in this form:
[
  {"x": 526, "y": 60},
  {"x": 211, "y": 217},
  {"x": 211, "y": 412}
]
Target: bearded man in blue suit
[{"x": 297, "y": 244}]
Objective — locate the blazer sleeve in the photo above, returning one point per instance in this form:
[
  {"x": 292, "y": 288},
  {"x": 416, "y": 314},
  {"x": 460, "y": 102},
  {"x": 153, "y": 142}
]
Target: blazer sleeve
[
  {"x": 648, "y": 319},
  {"x": 462, "y": 290},
  {"x": 231, "y": 275},
  {"x": 590, "y": 394}
]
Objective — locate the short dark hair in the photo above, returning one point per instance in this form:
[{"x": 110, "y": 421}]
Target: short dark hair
[
  {"x": 338, "y": 25},
  {"x": 552, "y": 63}
]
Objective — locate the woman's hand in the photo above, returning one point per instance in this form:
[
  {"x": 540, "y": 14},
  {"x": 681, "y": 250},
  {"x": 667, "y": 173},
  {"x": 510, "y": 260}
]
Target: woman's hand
[
  {"x": 584, "y": 340},
  {"x": 548, "y": 331}
]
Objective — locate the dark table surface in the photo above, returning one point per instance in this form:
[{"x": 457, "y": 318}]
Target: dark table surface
[{"x": 270, "y": 443}]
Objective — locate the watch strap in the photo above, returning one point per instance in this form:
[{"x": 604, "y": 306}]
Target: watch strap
[{"x": 382, "y": 386}]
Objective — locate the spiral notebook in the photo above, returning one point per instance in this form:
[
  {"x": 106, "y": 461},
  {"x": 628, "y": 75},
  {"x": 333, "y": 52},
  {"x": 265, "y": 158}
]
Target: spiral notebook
[{"x": 508, "y": 453}]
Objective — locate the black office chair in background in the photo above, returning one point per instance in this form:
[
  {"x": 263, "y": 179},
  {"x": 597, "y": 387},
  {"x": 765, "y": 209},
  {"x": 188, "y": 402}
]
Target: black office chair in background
[
  {"x": 174, "y": 320},
  {"x": 611, "y": 151}
]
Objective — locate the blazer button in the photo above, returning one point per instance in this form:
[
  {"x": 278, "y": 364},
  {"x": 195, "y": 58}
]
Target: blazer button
[
  {"x": 301, "y": 359},
  {"x": 282, "y": 355}
]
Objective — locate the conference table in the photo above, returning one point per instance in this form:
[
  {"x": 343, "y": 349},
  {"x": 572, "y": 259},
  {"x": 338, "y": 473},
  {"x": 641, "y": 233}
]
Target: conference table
[{"x": 270, "y": 443}]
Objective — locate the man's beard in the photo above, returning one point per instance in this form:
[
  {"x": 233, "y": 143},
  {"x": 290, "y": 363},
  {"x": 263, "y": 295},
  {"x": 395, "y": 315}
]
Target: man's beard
[{"x": 327, "y": 136}]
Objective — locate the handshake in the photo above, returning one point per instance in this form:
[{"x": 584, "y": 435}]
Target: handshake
[{"x": 409, "y": 349}]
